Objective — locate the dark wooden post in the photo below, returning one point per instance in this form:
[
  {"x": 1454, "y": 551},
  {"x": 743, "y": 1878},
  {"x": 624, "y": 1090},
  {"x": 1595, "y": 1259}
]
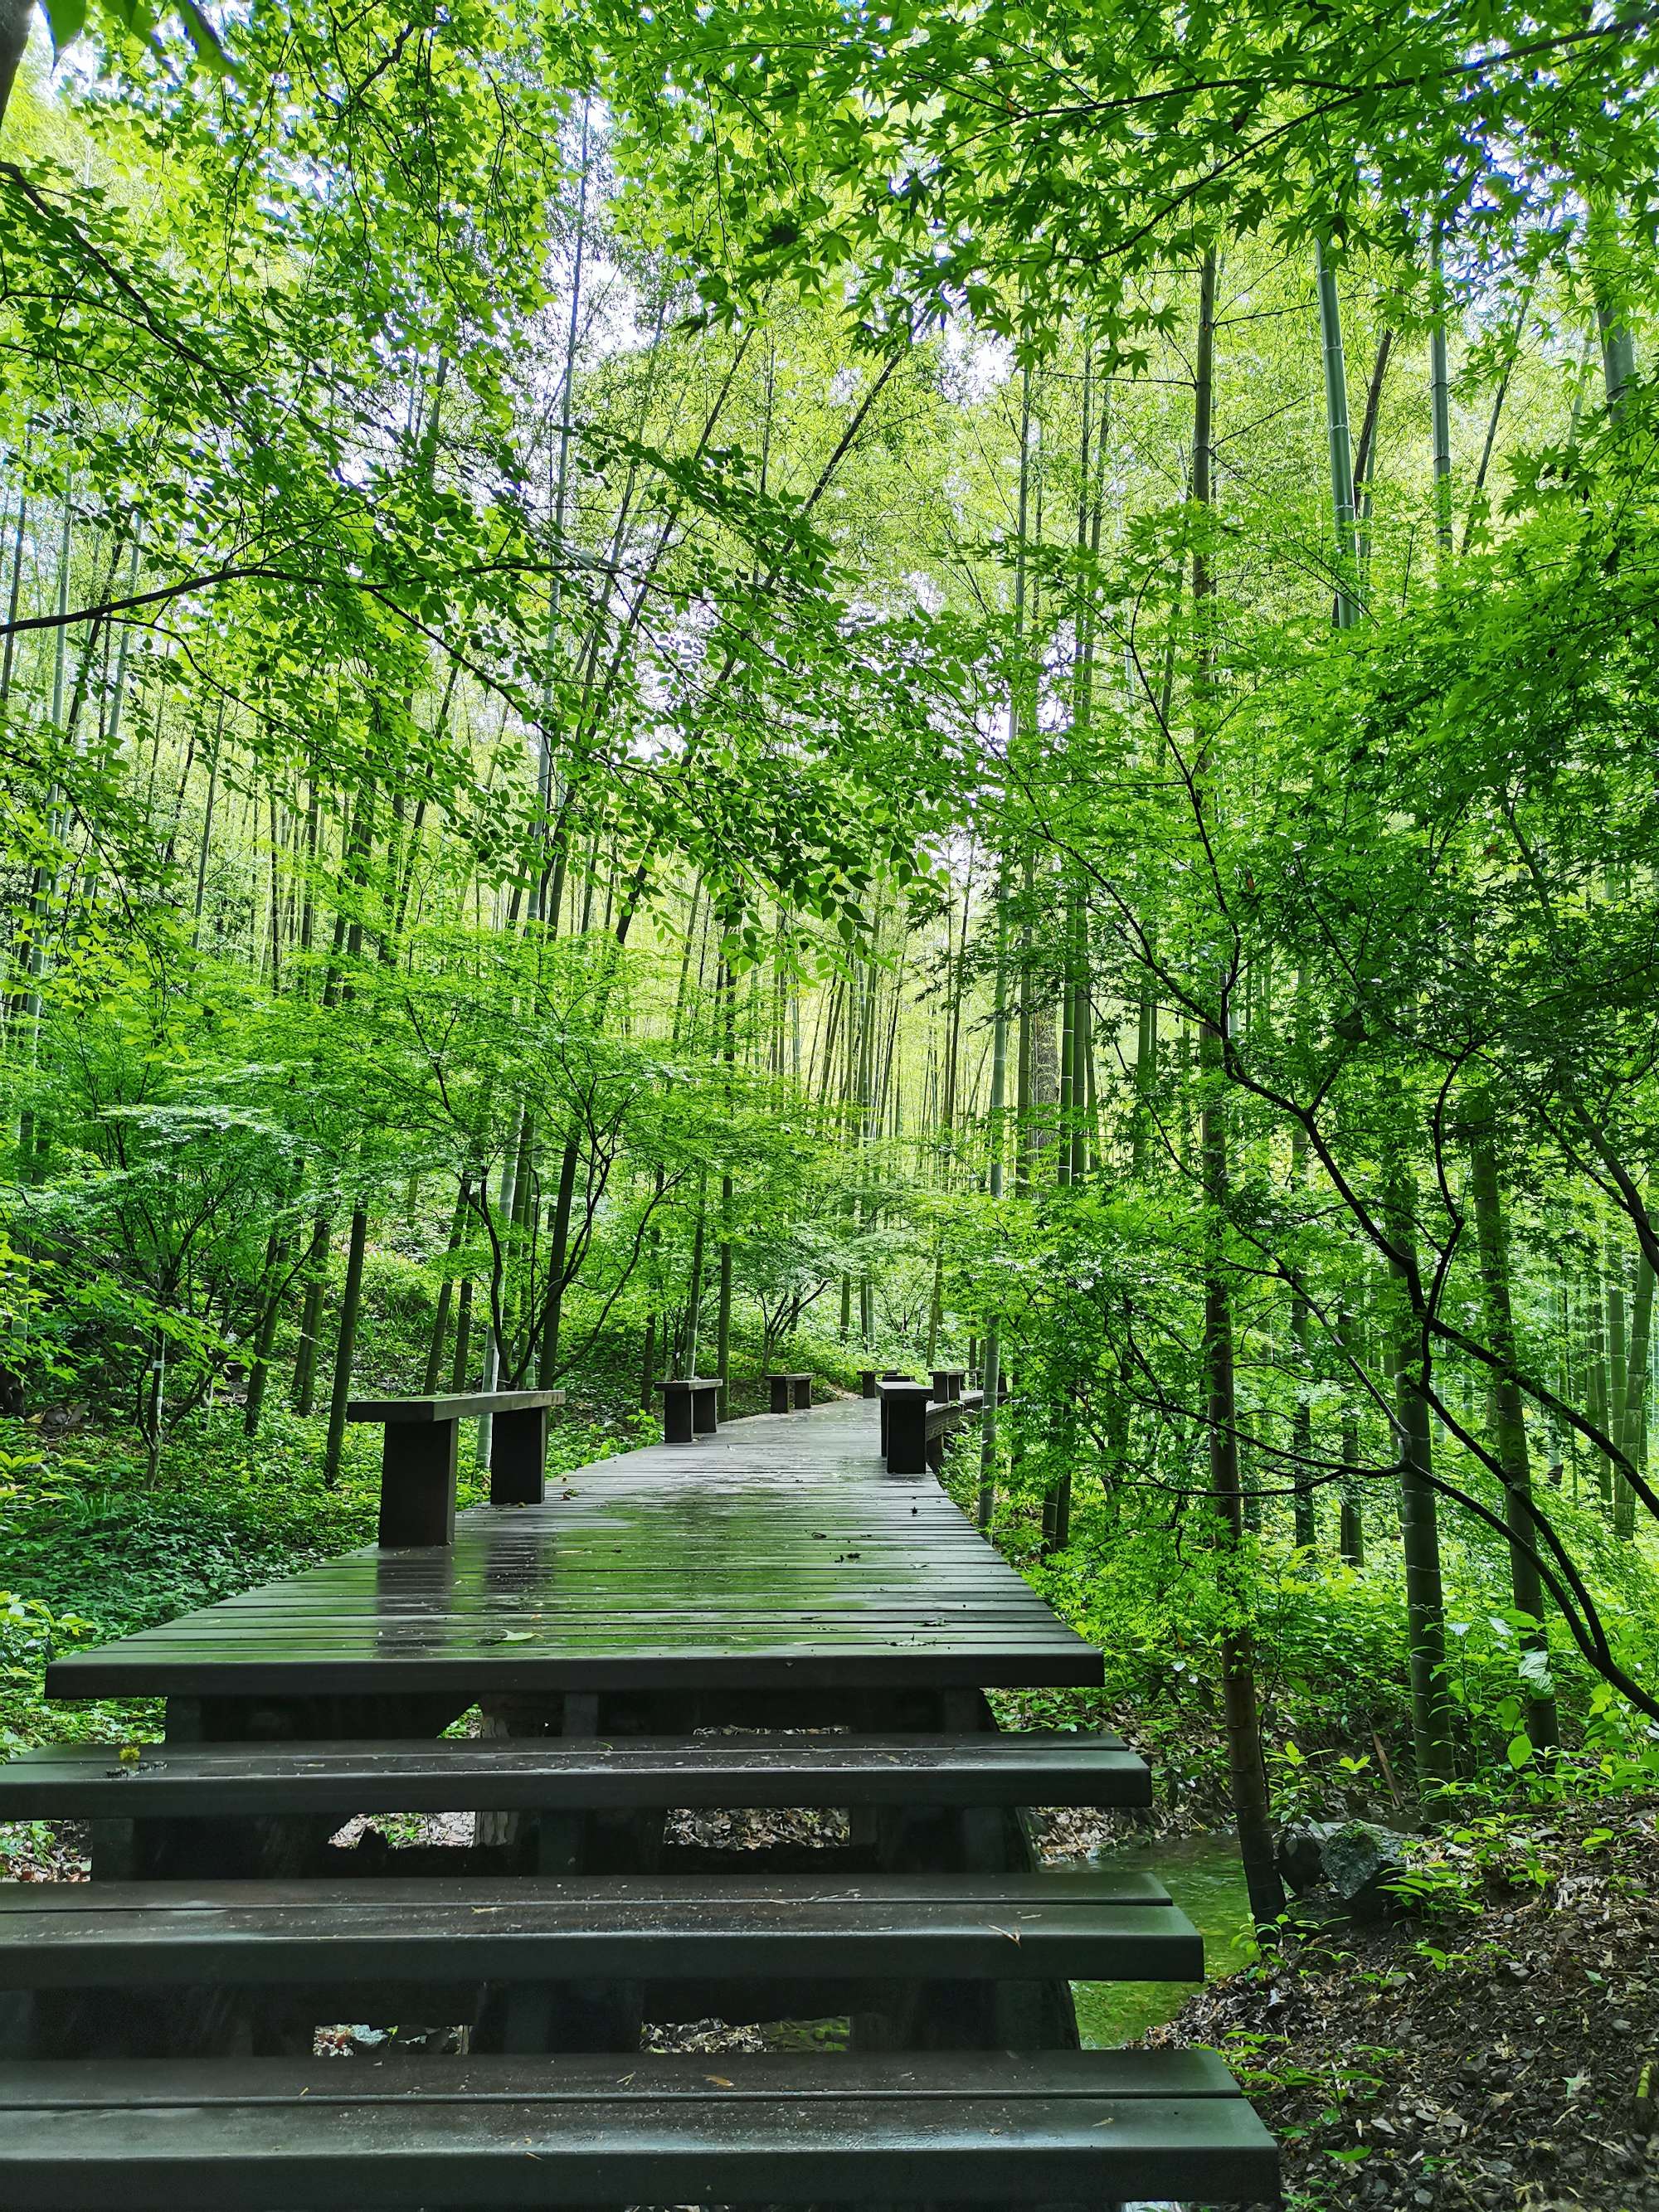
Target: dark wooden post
[
  {"x": 867, "y": 1382},
  {"x": 417, "y": 1484},
  {"x": 518, "y": 1457},
  {"x": 782, "y": 1388},
  {"x": 891, "y": 1376},
  {"x": 947, "y": 1383},
  {"x": 705, "y": 1407},
  {"x": 803, "y": 1392}
]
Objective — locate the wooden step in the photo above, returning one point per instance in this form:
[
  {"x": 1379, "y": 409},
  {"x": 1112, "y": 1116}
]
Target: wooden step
[
  {"x": 89, "y": 1781},
  {"x": 993, "y": 1928},
  {"x": 1098, "y": 2126}
]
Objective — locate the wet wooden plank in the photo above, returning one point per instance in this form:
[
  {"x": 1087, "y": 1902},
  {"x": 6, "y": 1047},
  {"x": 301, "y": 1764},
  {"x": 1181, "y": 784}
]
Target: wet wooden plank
[
  {"x": 1093, "y": 2126},
  {"x": 454, "y": 1406},
  {"x": 89, "y": 1781},
  {"x": 151, "y": 1935},
  {"x": 777, "y": 1554}
]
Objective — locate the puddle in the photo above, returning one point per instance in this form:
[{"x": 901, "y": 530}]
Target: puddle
[{"x": 1205, "y": 1877}]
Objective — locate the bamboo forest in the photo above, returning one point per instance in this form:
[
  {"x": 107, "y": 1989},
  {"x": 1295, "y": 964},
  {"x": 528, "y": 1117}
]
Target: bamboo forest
[{"x": 761, "y": 689}]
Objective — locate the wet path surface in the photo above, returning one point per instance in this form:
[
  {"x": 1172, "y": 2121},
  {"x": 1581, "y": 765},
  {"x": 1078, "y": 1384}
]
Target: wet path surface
[{"x": 776, "y": 1554}]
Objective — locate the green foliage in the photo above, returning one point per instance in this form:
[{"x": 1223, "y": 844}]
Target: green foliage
[{"x": 613, "y": 696}]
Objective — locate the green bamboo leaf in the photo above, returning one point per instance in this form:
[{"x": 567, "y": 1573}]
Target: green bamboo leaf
[
  {"x": 66, "y": 19},
  {"x": 210, "y": 47}
]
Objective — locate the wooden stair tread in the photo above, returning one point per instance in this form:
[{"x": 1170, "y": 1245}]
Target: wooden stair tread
[
  {"x": 981, "y": 2127},
  {"x": 89, "y": 1782},
  {"x": 991, "y": 1928}
]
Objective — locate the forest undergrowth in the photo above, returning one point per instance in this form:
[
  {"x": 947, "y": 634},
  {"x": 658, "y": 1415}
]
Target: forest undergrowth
[{"x": 1496, "y": 2047}]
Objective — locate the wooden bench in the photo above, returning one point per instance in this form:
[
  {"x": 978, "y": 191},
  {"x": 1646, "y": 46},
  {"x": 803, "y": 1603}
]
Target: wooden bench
[
  {"x": 89, "y": 1781},
  {"x": 790, "y": 1393},
  {"x": 916, "y": 1420},
  {"x": 903, "y": 1400},
  {"x": 690, "y": 1407},
  {"x": 872, "y": 1378},
  {"x": 1096, "y": 2126},
  {"x": 419, "y": 1453}
]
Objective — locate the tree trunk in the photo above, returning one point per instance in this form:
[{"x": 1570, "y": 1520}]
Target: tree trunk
[
  {"x": 1352, "y": 1536},
  {"x": 434, "y": 1358},
  {"x": 15, "y": 16},
  {"x": 206, "y": 827},
  {"x": 558, "y": 1252},
  {"x": 462, "y": 1364},
  {"x": 1596, "y": 1379},
  {"x": 723, "y": 1318},
  {"x": 1616, "y": 1362},
  {"x": 265, "y": 1335},
  {"x": 1440, "y": 410},
  {"x": 1633, "y": 1440},
  {"x": 1306, "y": 1519},
  {"x": 1251, "y": 1805},
  {"x": 15, "y": 591},
  {"x": 1145, "y": 1066},
  {"x": 311, "y": 1318},
  {"x": 649, "y": 1363},
  {"x": 1611, "y": 323},
  {"x": 500, "y": 1274},
  {"x": 346, "y": 1347},
  {"x": 1419, "y": 1528},
  {"x": 723, "y": 1312},
  {"x": 988, "y": 1421},
  {"x": 1336, "y": 426},
  {"x": 1509, "y": 1409},
  {"x": 694, "y": 1294}
]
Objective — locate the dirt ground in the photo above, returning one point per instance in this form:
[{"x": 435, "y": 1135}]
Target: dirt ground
[{"x": 1465, "y": 2060}]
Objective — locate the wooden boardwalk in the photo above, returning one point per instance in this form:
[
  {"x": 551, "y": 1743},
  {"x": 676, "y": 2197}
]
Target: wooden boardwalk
[
  {"x": 776, "y": 1554},
  {"x": 764, "y": 1617}
]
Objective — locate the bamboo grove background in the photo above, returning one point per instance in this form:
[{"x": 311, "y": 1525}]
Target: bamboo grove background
[{"x": 559, "y": 831}]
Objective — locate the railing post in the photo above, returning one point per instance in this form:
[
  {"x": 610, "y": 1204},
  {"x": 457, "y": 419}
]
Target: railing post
[
  {"x": 782, "y": 1389},
  {"x": 802, "y": 1393},
  {"x": 893, "y": 1375}
]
